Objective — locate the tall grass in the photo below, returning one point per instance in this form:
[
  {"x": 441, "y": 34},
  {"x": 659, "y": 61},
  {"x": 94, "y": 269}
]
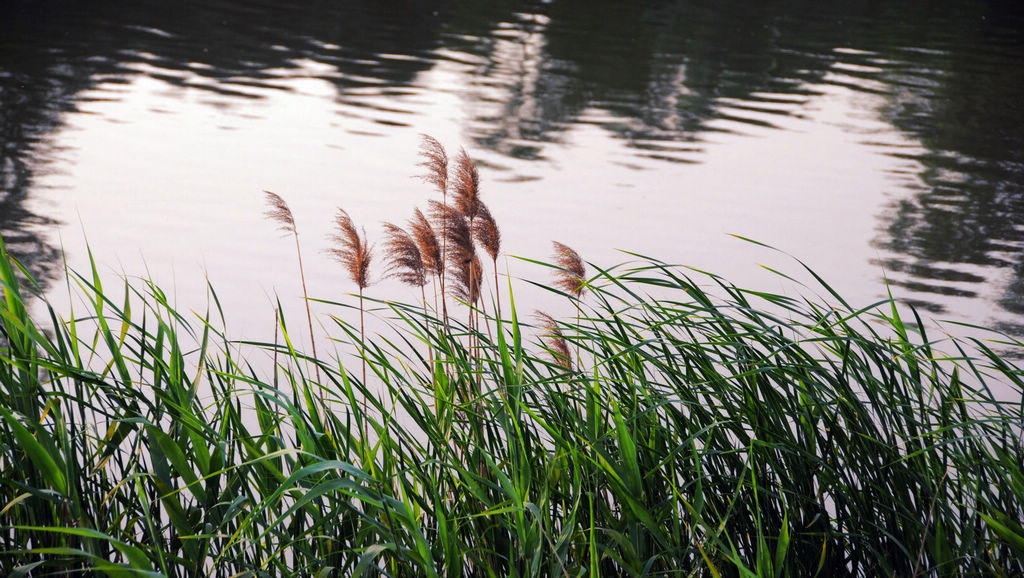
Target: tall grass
[
  {"x": 701, "y": 429},
  {"x": 669, "y": 424}
]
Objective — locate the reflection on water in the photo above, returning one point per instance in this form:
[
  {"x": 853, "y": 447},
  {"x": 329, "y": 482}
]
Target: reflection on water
[{"x": 653, "y": 90}]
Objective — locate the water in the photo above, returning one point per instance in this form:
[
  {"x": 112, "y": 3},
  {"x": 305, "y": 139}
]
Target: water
[{"x": 874, "y": 141}]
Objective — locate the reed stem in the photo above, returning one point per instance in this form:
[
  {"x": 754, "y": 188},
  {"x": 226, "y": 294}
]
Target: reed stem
[{"x": 309, "y": 314}]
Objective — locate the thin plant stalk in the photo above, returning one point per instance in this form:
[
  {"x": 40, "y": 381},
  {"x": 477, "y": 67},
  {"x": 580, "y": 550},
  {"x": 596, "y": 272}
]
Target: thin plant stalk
[
  {"x": 280, "y": 213},
  {"x": 277, "y": 320}
]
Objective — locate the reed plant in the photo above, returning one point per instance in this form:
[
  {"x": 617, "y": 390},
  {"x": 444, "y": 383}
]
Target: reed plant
[
  {"x": 281, "y": 213},
  {"x": 355, "y": 254},
  {"x": 435, "y": 161},
  {"x": 703, "y": 430}
]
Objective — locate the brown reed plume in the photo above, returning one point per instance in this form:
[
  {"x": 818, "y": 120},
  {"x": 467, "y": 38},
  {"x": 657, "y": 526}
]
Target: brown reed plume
[
  {"x": 572, "y": 278},
  {"x": 554, "y": 339},
  {"x": 463, "y": 263},
  {"x": 355, "y": 256},
  {"x": 435, "y": 160},
  {"x": 466, "y": 199},
  {"x": 430, "y": 247},
  {"x": 280, "y": 213},
  {"x": 469, "y": 277},
  {"x": 487, "y": 233},
  {"x": 404, "y": 260},
  {"x": 426, "y": 239},
  {"x": 352, "y": 251},
  {"x": 466, "y": 191}
]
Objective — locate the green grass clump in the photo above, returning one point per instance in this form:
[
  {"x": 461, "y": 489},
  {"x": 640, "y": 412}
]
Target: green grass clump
[{"x": 708, "y": 430}]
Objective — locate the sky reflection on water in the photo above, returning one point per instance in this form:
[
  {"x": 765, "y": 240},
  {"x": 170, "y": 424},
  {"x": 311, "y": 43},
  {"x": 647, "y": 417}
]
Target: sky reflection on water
[{"x": 865, "y": 139}]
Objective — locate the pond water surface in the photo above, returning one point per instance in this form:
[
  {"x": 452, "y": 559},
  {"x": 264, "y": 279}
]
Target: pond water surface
[{"x": 873, "y": 140}]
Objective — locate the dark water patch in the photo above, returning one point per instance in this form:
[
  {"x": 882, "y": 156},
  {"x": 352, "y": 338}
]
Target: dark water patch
[
  {"x": 924, "y": 305},
  {"x": 928, "y": 271},
  {"x": 923, "y": 287}
]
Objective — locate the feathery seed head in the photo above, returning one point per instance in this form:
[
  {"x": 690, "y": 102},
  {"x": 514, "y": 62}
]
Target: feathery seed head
[
  {"x": 463, "y": 265},
  {"x": 554, "y": 339},
  {"x": 352, "y": 251},
  {"x": 435, "y": 160},
  {"x": 572, "y": 277},
  {"x": 486, "y": 232},
  {"x": 426, "y": 239},
  {"x": 466, "y": 194},
  {"x": 405, "y": 262},
  {"x": 468, "y": 277},
  {"x": 280, "y": 213}
]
